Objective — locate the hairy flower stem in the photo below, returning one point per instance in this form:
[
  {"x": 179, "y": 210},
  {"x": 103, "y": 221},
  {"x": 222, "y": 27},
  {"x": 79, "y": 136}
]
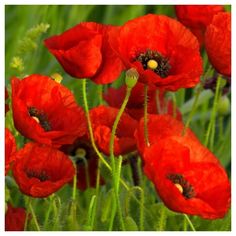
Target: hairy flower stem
[
  {"x": 190, "y": 222},
  {"x": 111, "y": 149},
  {"x": 146, "y": 115},
  {"x": 93, "y": 217},
  {"x": 45, "y": 225},
  {"x": 31, "y": 210},
  {"x": 90, "y": 125},
  {"x": 211, "y": 126},
  {"x": 73, "y": 205},
  {"x": 84, "y": 93}
]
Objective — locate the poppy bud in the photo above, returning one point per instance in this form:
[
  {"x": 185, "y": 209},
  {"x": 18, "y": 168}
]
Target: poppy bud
[
  {"x": 223, "y": 106},
  {"x": 131, "y": 77},
  {"x": 57, "y": 77}
]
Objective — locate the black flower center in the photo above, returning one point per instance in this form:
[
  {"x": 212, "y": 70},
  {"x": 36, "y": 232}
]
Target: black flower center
[
  {"x": 182, "y": 184},
  {"x": 40, "y": 117},
  {"x": 41, "y": 175},
  {"x": 155, "y": 61}
]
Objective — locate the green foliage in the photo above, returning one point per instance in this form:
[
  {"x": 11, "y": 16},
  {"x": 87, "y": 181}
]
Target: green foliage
[
  {"x": 28, "y": 43},
  {"x": 17, "y": 64}
]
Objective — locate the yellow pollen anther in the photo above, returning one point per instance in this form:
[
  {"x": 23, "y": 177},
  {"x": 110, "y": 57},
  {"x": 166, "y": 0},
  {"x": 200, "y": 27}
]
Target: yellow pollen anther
[
  {"x": 179, "y": 187},
  {"x": 80, "y": 152},
  {"x": 152, "y": 64},
  {"x": 36, "y": 119}
]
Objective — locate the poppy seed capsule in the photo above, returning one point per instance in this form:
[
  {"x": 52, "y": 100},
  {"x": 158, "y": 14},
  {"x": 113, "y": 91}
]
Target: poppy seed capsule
[
  {"x": 223, "y": 106},
  {"x": 152, "y": 64},
  {"x": 131, "y": 77},
  {"x": 80, "y": 152}
]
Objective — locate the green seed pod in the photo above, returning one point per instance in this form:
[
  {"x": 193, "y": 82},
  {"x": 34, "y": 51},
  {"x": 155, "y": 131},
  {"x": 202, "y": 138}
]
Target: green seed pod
[
  {"x": 223, "y": 106},
  {"x": 130, "y": 224},
  {"x": 131, "y": 77},
  {"x": 57, "y": 77}
]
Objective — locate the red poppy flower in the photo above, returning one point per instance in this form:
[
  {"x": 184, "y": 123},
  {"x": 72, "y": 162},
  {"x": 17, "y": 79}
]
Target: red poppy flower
[
  {"x": 188, "y": 177},
  {"x": 15, "y": 218},
  {"x": 40, "y": 170},
  {"x": 162, "y": 50},
  {"x": 102, "y": 119},
  {"x": 115, "y": 97},
  {"x": 46, "y": 111},
  {"x": 84, "y": 52},
  {"x": 218, "y": 43},
  {"x": 10, "y": 149},
  {"x": 80, "y": 150},
  {"x": 6, "y": 104},
  {"x": 197, "y": 17}
]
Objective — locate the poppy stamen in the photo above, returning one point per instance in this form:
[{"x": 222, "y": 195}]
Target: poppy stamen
[
  {"x": 154, "y": 61},
  {"x": 40, "y": 118},
  {"x": 185, "y": 188},
  {"x": 41, "y": 175},
  {"x": 152, "y": 64}
]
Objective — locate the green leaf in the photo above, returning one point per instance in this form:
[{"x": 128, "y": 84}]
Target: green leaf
[{"x": 130, "y": 224}]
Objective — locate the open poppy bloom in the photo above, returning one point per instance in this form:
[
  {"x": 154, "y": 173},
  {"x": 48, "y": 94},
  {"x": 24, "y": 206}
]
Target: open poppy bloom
[
  {"x": 86, "y": 163},
  {"x": 162, "y": 50},
  {"x": 187, "y": 176},
  {"x": 41, "y": 170},
  {"x": 218, "y": 43},
  {"x": 102, "y": 119},
  {"x": 157, "y": 104},
  {"x": 197, "y": 17},
  {"x": 188, "y": 179},
  {"x": 15, "y": 218},
  {"x": 10, "y": 149},
  {"x": 84, "y": 52},
  {"x": 46, "y": 111}
]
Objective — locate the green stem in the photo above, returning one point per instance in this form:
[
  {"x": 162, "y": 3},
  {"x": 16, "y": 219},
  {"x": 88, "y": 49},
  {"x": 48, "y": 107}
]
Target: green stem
[
  {"x": 185, "y": 225},
  {"x": 211, "y": 125},
  {"x": 56, "y": 210},
  {"x": 116, "y": 122},
  {"x": 45, "y": 225},
  {"x": 74, "y": 191},
  {"x": 111, "y": 149},
  {"x": 113, "y": 213},
  {"x": 84, "y": 93},
  {"x": 146, "y": 115},
  {"x": 27, "y": 213},
  {"x": 97, "y": 195},
  {"x": 91, "y": 210},
  {"x": 33, "y": 215},
  {"x": 190, "y": 222},
  {"x": 90, "y": 125},
  {"x": 141, "y": 216},
  {"x": 74, "y": 185}
]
